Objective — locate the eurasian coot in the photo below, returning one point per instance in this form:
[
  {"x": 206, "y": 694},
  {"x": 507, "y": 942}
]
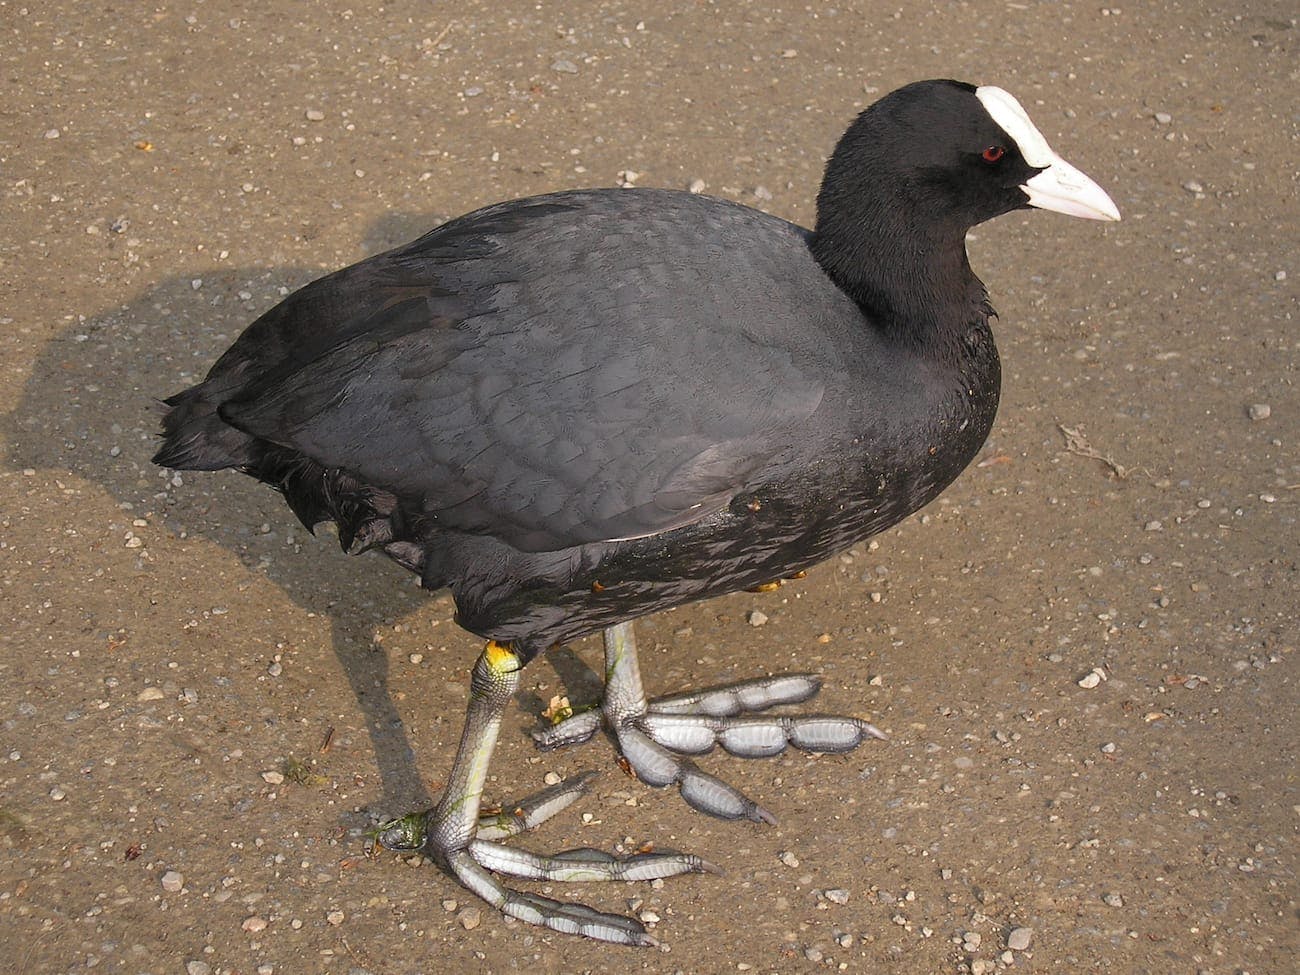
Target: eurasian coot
[{"x": 579, "y": 408}]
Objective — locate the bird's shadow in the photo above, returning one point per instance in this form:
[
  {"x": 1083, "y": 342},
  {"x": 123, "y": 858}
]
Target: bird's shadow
[{"x": 90, "y": 409}]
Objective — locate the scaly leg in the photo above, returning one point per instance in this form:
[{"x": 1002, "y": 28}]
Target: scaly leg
[
  {"x": 456, "y": 835},
  {"x": 654, "y": 736}
]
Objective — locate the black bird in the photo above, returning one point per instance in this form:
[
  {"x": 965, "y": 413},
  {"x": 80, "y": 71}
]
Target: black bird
[{"x": 575, "y": 409}]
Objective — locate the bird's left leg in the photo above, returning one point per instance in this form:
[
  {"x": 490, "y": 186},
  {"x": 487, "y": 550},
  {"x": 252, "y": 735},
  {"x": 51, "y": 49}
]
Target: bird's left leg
[
  {"x": 655, "y": 736},
  {"x": 455, "y": 834}
]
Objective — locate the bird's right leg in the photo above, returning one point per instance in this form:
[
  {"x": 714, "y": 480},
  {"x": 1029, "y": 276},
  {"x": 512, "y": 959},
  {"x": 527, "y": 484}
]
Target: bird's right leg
[{"x": 657, "y": 736}]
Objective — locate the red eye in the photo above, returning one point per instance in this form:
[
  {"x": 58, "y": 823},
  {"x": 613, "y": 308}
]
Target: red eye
[{"x": 993, "y": 153}]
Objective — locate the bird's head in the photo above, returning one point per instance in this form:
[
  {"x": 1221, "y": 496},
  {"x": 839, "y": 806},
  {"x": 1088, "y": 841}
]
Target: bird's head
[{"x": 952, "y": 155}]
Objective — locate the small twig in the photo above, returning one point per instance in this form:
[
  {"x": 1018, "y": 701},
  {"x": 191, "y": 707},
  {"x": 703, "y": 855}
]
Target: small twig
[
  {"x": 31, "y": 949},
  {"x": 445, "y": 31},
  {"x": 1077, "y": 443}
]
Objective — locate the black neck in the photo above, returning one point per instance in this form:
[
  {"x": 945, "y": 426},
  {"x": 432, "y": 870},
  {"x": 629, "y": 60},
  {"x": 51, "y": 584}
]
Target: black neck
[{"x": 913, "y": 287}]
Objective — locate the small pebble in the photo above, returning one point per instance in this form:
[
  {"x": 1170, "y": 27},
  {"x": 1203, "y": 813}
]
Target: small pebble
[
  {"x": 173, "y": 881},
  {"x": 470, "y": 918},
  {"x": 449, "y": 905},
  {"x": 276, "y": 669},
  {"x": 197, "y": 968},
  {"x": 315, "y": 115},
  {"x": 1019, "y": 938},
  {"x": 1279, "y": 275},
  {"x": 1154, "y": 525},
  {"x": 335, "y": 918},
  {"x": 697, "y": 186},
  {"x": 1163, "y": 118},
  {"x": 416, "y": 658},
  {"x": 551, "y": 778},
  {"x": 981, "y": 966},
  {"x": 1260, "y": 411},
  {"x": 757, "y": 618},
  {"x": 812, "y": 954},
  {"x": 837, "y": 895},
  {"x": 254, "y": 924},
  {"x": 1112, "y": 900},
  {"x": 788, "y": 858},
  {"x": 566, "y": 67},
  {"x": 1091, "y": 679},
  {"x": 649, "y": 917},
  {"x": 971, "y": 940},
  {"x": 273, "y": 777},
  {"x": 1192, "y": 186},
  {"x": 57, "y": 794}
]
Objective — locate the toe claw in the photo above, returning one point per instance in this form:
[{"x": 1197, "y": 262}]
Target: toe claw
[
  {"x": 711, "y": 795},
  {"x": 830, "y": 734}
]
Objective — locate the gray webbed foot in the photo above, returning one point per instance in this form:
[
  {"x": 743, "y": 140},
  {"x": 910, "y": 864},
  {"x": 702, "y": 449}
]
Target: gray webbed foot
[
  {"x": 655, "y": 736},
  {"x": 467, "y": 843}
]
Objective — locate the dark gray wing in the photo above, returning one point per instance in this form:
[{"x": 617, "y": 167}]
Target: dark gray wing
[{"x": 590, "y": 368}]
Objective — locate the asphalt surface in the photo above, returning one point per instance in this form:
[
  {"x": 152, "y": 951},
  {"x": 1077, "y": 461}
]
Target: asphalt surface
[{"x": 203, "y": 708}]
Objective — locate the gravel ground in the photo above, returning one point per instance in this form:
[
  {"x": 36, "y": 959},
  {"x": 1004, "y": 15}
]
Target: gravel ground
[{"x": 1084, "y": 653}]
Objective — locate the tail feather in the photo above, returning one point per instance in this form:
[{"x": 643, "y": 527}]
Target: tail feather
[{"x": 195, "y": 438}]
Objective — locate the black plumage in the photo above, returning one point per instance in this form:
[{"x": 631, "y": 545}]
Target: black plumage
[
  {"x": 579, "y": 408},
  {"x": 661, "y": 393}
]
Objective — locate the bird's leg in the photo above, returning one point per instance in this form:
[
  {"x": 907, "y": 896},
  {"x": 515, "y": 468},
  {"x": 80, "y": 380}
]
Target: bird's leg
[
  {"x": 654, "y": 736},
  {"x": 457, "y": 835}
]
